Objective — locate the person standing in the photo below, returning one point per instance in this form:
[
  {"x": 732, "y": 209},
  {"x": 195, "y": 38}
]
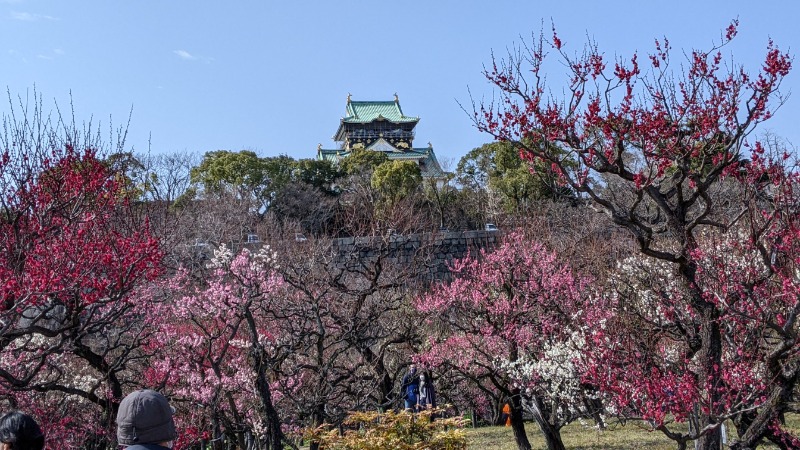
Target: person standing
[
  {"x": 19, "y": 431},
  {"x": 506, "y": 417},
  {"x": 144, "y": 421},
  {"x": 427, "y": 394},
  {"x": 410, "y": 388}
]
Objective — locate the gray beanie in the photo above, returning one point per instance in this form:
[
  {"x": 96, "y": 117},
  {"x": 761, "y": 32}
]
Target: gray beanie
[{"x": 145, "y": 417}]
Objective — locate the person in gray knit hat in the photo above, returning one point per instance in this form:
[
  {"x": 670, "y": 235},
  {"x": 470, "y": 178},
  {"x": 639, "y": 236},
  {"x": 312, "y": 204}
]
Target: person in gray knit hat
[{"x": 144, "y": 421}]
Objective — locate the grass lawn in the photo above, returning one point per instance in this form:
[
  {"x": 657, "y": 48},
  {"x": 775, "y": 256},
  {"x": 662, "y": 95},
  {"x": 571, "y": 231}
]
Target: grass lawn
[{"x": 577, "y": 436}]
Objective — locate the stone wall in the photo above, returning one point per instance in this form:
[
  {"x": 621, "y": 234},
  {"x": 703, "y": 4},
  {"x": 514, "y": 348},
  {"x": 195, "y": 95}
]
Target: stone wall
[{"x": 428, "y": 254}]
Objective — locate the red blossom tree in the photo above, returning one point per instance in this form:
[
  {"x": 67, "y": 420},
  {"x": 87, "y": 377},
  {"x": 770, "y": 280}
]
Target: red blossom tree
[
  {"x": 73, "y": 257},
  {"x": 511, "y": 311},
  {"x": 640, "y": 358},
  {"x": 664, "y": 155}
]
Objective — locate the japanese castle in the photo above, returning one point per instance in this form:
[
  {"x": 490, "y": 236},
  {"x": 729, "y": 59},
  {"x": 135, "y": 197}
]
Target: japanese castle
[{"x": 381, "y": 126}]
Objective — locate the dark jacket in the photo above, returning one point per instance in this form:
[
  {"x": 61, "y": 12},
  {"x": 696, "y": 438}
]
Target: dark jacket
[
  {"x": 427, "y": 395},
  {"x": 410, "y": 383}
]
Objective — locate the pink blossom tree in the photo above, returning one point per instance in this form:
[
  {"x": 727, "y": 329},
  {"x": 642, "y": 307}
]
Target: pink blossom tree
[
  {"x": 660, "y": 151},
  {"x": 504, "y": 309},
  {"x": 223, "y": 345},
  {"x": 281, "y": 337}
]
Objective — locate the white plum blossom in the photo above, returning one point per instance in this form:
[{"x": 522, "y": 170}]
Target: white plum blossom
[
  {"x": 553, "y": 374},
  {"x": 222, "y": 257}
]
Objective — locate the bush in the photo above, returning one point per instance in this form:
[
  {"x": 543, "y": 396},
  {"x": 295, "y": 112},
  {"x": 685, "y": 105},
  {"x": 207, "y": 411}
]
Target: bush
[{"x": 399, "y": 431}]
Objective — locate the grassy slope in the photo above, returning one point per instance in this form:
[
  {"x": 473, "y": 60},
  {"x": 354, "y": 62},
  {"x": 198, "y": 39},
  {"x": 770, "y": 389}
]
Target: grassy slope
[{"x": 576, "y": 436}]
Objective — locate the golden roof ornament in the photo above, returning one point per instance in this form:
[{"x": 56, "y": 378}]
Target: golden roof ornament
[{"x": 396, "y": 98}]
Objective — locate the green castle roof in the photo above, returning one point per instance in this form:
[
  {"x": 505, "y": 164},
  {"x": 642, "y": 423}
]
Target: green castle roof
[
  {"x": 365, "y": 112},
  {"x": 425, "y": 156}
]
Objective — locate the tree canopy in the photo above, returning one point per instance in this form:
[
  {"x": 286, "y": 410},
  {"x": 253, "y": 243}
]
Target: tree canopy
[
  {"x": 498, "y": 168},
  {"x": 668, "y": 141}
]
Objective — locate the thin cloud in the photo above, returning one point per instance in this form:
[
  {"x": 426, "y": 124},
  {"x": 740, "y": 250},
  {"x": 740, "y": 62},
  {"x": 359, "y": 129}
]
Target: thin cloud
[
  {"x": 183, "y": 54},
  {"x": 186, "y": 56},
  {"x": 57, "y": 53},
  {"x": 28, "y": 17}
]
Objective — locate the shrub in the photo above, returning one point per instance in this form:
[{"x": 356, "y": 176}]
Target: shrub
[{"x": 399, "y": 431}]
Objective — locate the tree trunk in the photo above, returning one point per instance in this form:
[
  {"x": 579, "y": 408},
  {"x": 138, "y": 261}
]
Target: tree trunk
[
  {"x": 317, "y": 419},
  {"x": 551, "y": 433},
  {"x": 709, "y": 358},
  {"x": 552, "y": 436},
  {"x": 496, "y": 417},
  {"x": 216, "y": 434},
  {"x": 752, "y": 428},
  {"x": 595, "y": 408},
  {"x": 273, "y": 436},
  {"x": 387, "y": 394},
  {"x": 517, "y": 424}
]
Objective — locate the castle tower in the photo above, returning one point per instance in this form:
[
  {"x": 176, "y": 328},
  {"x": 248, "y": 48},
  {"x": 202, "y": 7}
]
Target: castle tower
[{"x": 381, "y": 126}]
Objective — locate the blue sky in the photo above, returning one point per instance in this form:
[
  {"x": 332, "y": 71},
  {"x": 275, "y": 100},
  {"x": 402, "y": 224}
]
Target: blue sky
[{"x": 274, "y": 76}]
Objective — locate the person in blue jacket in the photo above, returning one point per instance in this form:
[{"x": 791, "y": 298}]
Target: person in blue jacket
[{"x": 409, "y": 388}]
